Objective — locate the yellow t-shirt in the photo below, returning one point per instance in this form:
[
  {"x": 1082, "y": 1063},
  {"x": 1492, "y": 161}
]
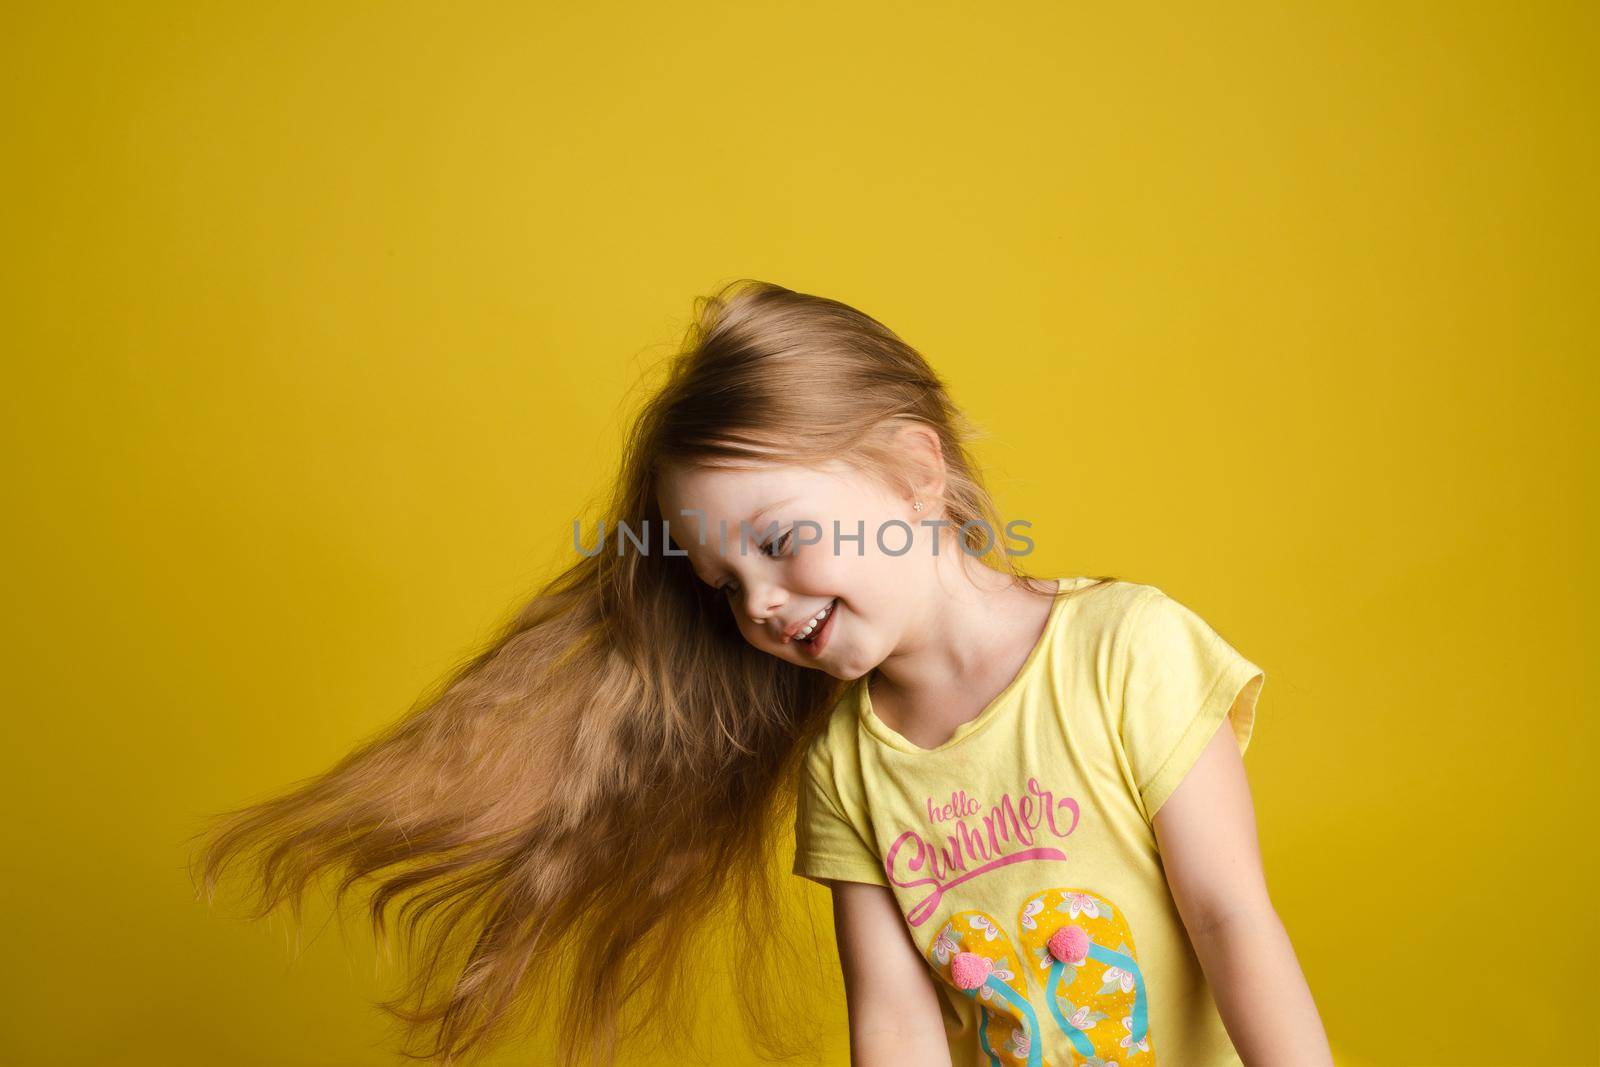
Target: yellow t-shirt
[{"x": 1020, "y": 851}]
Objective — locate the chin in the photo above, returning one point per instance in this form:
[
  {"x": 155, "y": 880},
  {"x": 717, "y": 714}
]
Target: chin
[{"x": 836, "y": 673}]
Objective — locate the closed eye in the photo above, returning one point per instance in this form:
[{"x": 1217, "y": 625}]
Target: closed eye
[{"x": 781, "y": 544}]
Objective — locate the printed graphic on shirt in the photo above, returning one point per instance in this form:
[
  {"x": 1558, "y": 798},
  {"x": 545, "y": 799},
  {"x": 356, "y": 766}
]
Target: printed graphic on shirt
[
  {"x": 977, "y": 842},
  {"x": 1079, "y": 950},
  {"x": 977, "y": 957},
  {"x": 1082, "y": 952}
]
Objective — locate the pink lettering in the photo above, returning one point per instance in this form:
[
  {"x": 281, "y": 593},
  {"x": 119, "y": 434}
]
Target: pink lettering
[
  {"x": 1050, "y": 810},
  {"x": 974, "y": 851},
  {"x": 960, "y": 806},
  {"x": 1002, "y": 821}
]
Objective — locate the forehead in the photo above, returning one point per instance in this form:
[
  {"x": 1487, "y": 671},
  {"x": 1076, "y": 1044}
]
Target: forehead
[
  {"x": 736, "y": 493},
  {"x": 757, "y": 495}
]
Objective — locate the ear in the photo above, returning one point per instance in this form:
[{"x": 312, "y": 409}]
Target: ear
[{"x": 925, "y": 455}]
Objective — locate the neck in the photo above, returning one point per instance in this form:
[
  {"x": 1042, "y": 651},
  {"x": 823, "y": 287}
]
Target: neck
[{"x": 970, "y": 618}]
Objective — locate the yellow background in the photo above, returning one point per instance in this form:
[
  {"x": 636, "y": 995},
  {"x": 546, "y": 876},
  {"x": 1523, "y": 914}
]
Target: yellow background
[{"x": 321, "y": 321}]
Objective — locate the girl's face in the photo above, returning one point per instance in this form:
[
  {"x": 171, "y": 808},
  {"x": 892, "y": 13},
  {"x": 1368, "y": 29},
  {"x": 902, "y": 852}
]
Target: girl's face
[{"x": 778, "y": 584}]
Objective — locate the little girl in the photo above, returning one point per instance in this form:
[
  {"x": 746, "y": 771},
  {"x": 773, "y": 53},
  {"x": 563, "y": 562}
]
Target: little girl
[{"x": 1026, "y": 796}]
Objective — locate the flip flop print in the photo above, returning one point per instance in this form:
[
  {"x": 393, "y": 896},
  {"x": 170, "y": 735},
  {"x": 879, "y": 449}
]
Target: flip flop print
[
  {"x": 1080, "y": 952},
  {"x": 973, "y": 954},
  {"x": 1083, "y": 951}
]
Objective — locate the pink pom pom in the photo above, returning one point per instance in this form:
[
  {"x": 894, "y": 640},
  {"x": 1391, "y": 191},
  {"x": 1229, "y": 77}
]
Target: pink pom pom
[
  {"x": 970, "y": 970},
  {"x": 1070, "y": 944}
]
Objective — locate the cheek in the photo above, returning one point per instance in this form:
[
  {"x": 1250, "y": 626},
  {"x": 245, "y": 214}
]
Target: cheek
[
  {"x": 860, "y": 581},
  {"x": 817, "y": 568}
]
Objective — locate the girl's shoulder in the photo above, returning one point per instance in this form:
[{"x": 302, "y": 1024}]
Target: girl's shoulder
[
  {"x": 1120, "y": 620},
  {"x": 1106, "y": 607}
]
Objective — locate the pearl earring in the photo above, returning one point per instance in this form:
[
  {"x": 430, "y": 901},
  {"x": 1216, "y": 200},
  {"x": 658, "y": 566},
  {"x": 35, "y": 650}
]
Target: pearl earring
[{"x": 917, "y": 506}]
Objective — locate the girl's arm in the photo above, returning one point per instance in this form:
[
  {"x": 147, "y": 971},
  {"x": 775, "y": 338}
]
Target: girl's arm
[
  {"x": 1207, "y": 835},
  {"x": 889, "y": 988}
]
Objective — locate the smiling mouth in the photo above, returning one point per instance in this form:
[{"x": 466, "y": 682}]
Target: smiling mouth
[
  {"x": 818, "y": 625},
  {"x": 817, "y": 630}
]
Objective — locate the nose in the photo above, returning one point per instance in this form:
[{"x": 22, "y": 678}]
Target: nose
[{"x": 762, "y": 602}]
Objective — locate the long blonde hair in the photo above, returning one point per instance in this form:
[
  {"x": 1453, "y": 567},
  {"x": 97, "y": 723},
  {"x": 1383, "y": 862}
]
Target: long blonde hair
[{"x": 616, "y": 769}]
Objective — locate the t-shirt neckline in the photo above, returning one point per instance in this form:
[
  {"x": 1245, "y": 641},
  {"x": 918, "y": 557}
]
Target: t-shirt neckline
[{"x": 883, "y": 732}]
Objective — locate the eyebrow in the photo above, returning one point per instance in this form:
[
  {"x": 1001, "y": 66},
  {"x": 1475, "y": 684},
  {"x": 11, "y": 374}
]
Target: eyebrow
[{"x": 775, "y": 504}]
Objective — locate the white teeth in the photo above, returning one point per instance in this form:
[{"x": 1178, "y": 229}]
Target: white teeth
[{"x": 816, "y": 621}]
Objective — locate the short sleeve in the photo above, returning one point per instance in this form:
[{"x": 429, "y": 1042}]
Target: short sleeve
[
  {"x": 1181, "y": 679},
  {"x": 827, "y": 845}
]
